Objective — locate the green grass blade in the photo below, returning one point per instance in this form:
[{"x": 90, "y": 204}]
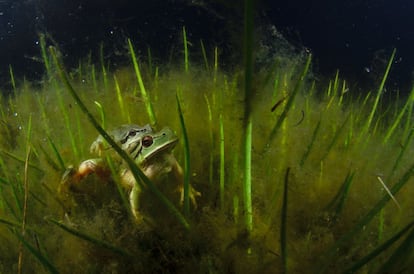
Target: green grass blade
[
  {"x": 39, "y": 256},
  {"x": 102, "y": 113},
  {"x": 397, "y": 121},
  {"x": 49, "y": 159},
  {"x": 401, "y": 256},
  {"x": 187, "y": 168},
  {"x": 203, "y": 51},
  {"x": 138, "y": 175},
  {"x": 10, "y": 223},
  {"x": 21, "y": 160},
  {"x": 57, "y": 154},
  {"x": 283, "y": 224},
  {"x": 103, "y": 67},
  {"x": 341, "y": 196},
  {"x": 379, "y": 93},
  {"x": 45, "y": 56},
  {"x": 12, "y": 80},
  {"x": 402, "y": 152},
  {"x": 290, "y": 101},
  {"x": 121, "y": 100},
  {"x": 377, "y": 251},
  {"x": 93, "y": 76},
  {"x": 210, "y": 123},
  {"x": 368, "y": 217},
  {"x": 90, "y": 238},
  {"x": 144, "y": 93},
  {"x": 222, "y": 161},
  {"x": 119, "y": 186},
  {"x": 185, "y": 43},
  {"x": 335, "y": 138},
  {"x": 149, "y": 60},
  {"x": 247, "y": 119},
  {"x": 309, "y": 147},
  {"x": 215, "y": 65}
]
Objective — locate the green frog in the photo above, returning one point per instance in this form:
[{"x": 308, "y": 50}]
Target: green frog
[{"x": 151, "y": 151}]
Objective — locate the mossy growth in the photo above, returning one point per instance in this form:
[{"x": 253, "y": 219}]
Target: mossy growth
[{"x": 348, "y": 190}]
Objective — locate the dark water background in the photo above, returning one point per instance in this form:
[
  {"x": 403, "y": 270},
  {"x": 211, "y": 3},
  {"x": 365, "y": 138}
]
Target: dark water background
[{"x": 355, "y": 36}]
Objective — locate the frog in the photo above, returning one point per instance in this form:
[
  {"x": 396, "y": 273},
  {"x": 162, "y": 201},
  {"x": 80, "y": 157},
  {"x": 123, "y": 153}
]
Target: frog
[{"x": 152, "y": 153}]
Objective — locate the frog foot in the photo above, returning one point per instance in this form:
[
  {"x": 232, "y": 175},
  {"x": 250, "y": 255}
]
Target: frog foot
[{"x": 193, "y": 194}]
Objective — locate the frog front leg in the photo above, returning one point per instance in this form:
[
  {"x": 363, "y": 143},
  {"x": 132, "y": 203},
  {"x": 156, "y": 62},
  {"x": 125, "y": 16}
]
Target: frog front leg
[
  {"x": 73, "y": 177},
  {"x": 128, "y": 182}
]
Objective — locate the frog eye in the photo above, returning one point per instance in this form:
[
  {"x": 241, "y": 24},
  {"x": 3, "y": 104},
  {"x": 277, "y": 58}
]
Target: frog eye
[{"x": 147, "y": 141}]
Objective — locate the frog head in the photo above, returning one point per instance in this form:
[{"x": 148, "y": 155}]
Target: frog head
[
  {"x": 141, "y": 143},
  {"x": 128, "y": 137},
  {"x": 154, "y": 144}
]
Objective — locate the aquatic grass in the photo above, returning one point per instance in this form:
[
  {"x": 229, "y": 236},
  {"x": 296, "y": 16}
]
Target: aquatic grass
[
  {"x": 137, "y": 173},
  {"x": 203, "y": 51},
  {"x": 336, "y": 137},
  {"x": 402, "y": 255},
  {"x": 149, "y": 55},
  {"x": 66, "y": 121},
  {"x": 378, "y": 96},
  {"x": 21, "y": 160},
  {"x": 408, "y": 123},
  {"x": 121, "y": 101},
  {"x": 187, "y": 167},
  {"x": 45, "y": 56},
  {"x": 144, "y": 94},
  {"x": 380, "y": 250},
  {"x": 247, "y": 116},
  {"x": 222, "y": 213},
  {"x": 26, "y": 195},
  {"x": 38, "y": 255},
  {"x": 404, "y": 148},
  {"x": 332, "y": 251},
  {"x": 222, "y": 161},
  {"x": 337, "y": 204},
  {"x": 283, "y": 224},
  {"x": 119, "y": 186},
  {"x": 94, "y": 81},
  {"x": 43, "y": 114},
  {"x": 215, "y": 65},
  {"x": 102, "y": 114},
  {"x": 290, "y": 101},
  {"x": 12, "y": 80},
  {"x": 185, "y": 43},
  {"x": 211, "y": 138},
  {"x": 103, "y": 67},
  {"x": 398, "y": 119},
  {"x": 56, "y": 152},
  {"x": 91, "y": 239},
  {"x": 309, "y": 147}
]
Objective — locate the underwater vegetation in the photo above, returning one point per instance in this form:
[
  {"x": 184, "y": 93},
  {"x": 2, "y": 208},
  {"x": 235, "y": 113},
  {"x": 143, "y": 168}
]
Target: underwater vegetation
[{"x": 323, "y": 183}]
